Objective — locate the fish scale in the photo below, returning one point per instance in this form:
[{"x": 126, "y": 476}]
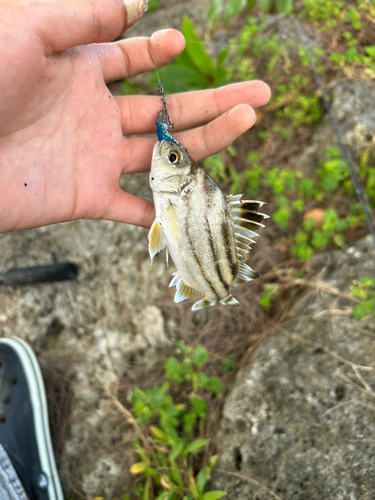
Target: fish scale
[{"x": 207, "y": 234}]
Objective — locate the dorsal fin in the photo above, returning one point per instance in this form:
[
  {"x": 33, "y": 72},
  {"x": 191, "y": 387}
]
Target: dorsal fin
[
  {"x": 156, "y": 240},
  {"x": 247, "y": 220}
]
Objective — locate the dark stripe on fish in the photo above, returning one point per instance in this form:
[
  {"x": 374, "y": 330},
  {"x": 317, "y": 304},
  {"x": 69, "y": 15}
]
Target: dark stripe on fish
[
  {"x": 195, "y": 255},
  {"x": 231, "y": 259},
  {"x": 217, "y": 265}
]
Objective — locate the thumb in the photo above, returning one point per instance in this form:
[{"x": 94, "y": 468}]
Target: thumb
[{"x": 63, "y": 24}]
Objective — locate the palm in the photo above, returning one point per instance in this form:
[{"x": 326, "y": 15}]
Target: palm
[
  {"x": 71, "y": 166},
  {"x": 62, "y": 144}
]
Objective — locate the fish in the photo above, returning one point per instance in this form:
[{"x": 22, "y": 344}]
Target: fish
[{"x": 206, "y": 233}]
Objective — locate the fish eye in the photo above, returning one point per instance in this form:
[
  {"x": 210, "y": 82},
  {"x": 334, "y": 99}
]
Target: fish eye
[{"x": 174, "y": 157}]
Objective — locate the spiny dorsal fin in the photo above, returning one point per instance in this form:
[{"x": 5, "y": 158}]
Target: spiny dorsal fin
[
  {"x": 156, "y": 240},
  {"x": 247, "y": 220},
  {"x": 245, "y": 273}
]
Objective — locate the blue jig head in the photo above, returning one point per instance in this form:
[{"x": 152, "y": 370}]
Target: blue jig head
[{"x": 162, "y": 129}]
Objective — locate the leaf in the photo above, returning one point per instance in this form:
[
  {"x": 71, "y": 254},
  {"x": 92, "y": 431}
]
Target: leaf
[
  {"x": 162, "y": 496},
  {"x": 146, "y": 493},
  {"x": 213, "y": 495},
  {"x": 195, "y": 50},
  {"x": 165, "y": 482},
  {"x": 284, "y": 6},
  {"x": 228, "y": 365},
  {"x": 193, "y": 486},
  {"x": 199, "y": 356},
  {"x": 197, "y": 445},
  {"x": 158, "y": 433},
  {"x": 178, "y": 78},
  {"x": 265, "y": 5},
  {"x": 199, "y": 406},
  {"x": 175, "y": 474},
  {"x": 232, "y": 150},
  {"x": 232, "y": 8},
  {"x": 177, "y": 450},
  {"x": 202, "y": 479},
  {"x": 138, "y": 467},
  {"x": 214, "y": 10}
]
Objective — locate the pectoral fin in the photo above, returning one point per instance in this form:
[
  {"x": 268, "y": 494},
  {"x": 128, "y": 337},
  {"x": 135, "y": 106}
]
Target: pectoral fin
[{"x": 156, "y": 240}]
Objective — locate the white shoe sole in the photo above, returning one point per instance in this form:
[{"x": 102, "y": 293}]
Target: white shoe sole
[{"x": 40, "y": 412}]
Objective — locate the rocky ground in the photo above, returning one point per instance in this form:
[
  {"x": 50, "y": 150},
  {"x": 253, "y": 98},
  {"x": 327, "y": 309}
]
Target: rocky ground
[{"x": 300, "y": 419}]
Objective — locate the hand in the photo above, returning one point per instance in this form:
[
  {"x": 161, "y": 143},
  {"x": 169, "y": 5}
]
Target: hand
[{"x": 62, "y": 144}]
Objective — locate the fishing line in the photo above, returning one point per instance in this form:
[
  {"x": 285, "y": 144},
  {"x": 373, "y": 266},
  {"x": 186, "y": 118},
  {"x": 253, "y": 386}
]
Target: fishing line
[
  {"x": 344, "y": 150},
  {"x": 161, "y": 91}
]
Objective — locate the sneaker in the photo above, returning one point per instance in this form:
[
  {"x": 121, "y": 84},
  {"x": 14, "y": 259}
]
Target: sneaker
[{"x": 24, "y": 429}]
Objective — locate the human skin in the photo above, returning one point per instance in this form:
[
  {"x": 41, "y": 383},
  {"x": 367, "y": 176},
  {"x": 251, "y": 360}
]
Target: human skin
[{"x": 65, "y": 140}]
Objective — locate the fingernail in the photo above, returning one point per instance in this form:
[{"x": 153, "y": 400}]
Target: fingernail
[{"x": 135, "y": 9}]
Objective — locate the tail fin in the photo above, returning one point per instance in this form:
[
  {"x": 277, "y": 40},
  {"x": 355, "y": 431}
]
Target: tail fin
[{"x": 229, "y": 300}]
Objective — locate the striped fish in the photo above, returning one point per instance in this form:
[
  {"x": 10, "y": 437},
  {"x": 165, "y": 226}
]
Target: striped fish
[{"x": 207, "y": 234}]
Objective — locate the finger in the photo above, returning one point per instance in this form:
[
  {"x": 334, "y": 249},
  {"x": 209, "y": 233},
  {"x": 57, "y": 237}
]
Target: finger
[
  {"x": 131, "y": 209},
  {"x": 133, "y": 56},
  {"x": 200, "y": 142},
  {"x": 63, "y": 24},
  {"x": 190, "y": 109}
]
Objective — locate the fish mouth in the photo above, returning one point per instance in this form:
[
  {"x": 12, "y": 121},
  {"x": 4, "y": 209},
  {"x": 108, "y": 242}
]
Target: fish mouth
[{"x": 156, "y": 152}]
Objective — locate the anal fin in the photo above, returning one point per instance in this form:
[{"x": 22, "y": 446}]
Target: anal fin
[
  {"x": 229, "y": 300},
  {"x": 184, "y": 290}
]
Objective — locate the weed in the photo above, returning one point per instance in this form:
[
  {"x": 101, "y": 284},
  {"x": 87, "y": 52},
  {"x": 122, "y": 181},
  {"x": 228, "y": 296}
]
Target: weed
[
  {"x": 193, "y": 68},
  {"x": 280, "y": 6},
  {"x": 154, "y": 5},
  {"x": 364, "y": 289},
  {"x": 169, "y": 427},
  {"x": 268, "y": 295}
]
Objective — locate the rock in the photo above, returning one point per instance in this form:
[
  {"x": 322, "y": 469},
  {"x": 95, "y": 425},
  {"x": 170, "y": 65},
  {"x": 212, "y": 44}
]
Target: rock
[
  {"x": 352, "y": 105},
  {"x": 149, "y": 325},
  {"x": 299, "y": 420}
]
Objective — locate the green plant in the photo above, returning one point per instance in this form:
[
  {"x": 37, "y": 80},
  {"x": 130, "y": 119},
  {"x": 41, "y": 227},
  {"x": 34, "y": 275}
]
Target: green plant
[
  {"x": 364, "y": 289},
  {"x": 281, "y": 6},
  {"x": 218, "y": 9},
  {"x": 268, "y": 295},
  {"x": 168, "y": 417},
  {"x": 324, "y": 12},
  {"x": 215, "y": 167},
  {"x": 154, "y": 5},
  {"x": 367, "y": 175},
  {"x": 193, "y": 68}
]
